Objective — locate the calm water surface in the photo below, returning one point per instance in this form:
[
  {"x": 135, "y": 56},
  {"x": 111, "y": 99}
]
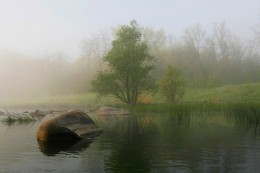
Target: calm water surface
[{"x": 201, "y": 142}]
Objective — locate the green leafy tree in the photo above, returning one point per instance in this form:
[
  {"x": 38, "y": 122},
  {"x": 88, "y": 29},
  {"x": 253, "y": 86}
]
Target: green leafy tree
[
  {"x": 171, "y": 85},
  {"x": 129, "y": 63}
]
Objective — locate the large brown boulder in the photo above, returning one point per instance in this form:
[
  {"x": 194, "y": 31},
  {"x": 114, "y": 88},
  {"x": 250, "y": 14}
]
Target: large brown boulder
[{"x": 71, "y": 125}]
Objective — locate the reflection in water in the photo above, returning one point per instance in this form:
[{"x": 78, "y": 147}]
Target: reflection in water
[
  {"x": 129, "y": 153},
  {"x": 139, "y": 141},
  {"x": 246, "y": 119},
  {"x": 51, "y": 148},
  {"x": 196, "y": 142},
  {"x": 168, "y": 142}
]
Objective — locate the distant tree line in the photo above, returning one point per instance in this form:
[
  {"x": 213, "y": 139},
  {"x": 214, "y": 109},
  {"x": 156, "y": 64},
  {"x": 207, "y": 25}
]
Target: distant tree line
[{"x": 205, "y": 60}]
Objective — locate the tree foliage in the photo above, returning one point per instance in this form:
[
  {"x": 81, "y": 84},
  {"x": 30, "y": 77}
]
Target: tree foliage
[
  {"x": 171, "y": 85},
  {"x": 129, "y": 63}
]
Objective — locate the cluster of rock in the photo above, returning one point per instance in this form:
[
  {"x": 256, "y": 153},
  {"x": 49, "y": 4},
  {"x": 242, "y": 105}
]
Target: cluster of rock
[
  {"x": 73, "y": 124},
  {"x": 67, "y": 126},
  {"x": 35, "y": 114}
]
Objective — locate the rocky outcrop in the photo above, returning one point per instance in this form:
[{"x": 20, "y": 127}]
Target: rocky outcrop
[
  {"x": 111, "y": 111},
  {"x": 68, "y": 126},
  {"x": 38, "y": 114}
]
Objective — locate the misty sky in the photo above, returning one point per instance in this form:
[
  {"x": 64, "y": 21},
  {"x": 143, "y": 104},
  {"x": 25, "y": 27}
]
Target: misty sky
[{"x": 35, "y": 27}]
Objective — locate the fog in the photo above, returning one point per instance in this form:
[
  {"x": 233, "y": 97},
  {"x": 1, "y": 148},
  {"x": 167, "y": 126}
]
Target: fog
[
  {"x": 206, "y": 59},
  {"x": 22, "y": 76},
  {"x": 36, "y": 27},
  {"x": 55, "y": 48},
  {"x": 52, "y": 73}
]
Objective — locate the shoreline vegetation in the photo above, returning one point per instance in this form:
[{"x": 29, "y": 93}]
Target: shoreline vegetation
[
  {"x": 239, "y": 101},
  {"x": 10, "y": 118},
  {"x": 243, "y": 101}
]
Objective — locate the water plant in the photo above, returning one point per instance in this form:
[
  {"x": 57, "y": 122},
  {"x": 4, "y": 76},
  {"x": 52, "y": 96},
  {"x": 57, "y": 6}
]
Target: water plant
[
  {"x": 246, "y": 116},
  {"x": 19, "y": 118}
]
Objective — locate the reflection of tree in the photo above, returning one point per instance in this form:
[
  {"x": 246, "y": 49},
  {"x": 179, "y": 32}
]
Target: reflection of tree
[
  {"x": 133, "y": 150},
  {"x": 197, "y": 146},
  {"x": 178, "y": 142},
  {"x": 246, "y": 117}
]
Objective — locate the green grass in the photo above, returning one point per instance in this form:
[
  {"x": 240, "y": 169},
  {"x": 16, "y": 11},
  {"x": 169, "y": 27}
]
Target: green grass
[
  {"x": 220, "y": 95},
  {"x": 225, "y": 94}
]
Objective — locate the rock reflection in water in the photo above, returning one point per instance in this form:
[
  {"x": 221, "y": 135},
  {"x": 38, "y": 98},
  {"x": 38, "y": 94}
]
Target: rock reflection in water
[{"x": 51, "y": 148}]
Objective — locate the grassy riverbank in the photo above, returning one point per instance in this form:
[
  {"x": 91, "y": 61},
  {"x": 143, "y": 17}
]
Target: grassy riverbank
[
  {"x": 227, "y": 94},
  {"x": 221, "y": 95}
]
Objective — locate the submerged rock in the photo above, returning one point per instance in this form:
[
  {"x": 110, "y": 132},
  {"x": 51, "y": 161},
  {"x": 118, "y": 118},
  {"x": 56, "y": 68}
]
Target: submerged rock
[
  {"x": 111, "y": 111},
  {"x": 68, "y": 126}
]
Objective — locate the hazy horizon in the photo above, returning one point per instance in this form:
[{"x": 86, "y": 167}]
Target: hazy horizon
[{"x": 34, "y": 28}]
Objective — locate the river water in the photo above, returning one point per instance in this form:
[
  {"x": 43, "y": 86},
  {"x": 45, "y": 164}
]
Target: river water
[{"x": 202, "y": 142}]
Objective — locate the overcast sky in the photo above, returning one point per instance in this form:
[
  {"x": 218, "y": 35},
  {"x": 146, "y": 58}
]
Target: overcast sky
[{"x": 34, "y": 27}]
